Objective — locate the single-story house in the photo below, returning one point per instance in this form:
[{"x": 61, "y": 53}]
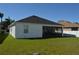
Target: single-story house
[
  {"x": 34, "y": 27},
  {"x": 69, "y": 28}
]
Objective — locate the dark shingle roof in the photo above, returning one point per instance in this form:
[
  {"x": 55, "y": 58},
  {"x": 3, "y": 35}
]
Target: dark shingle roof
[{"x": 37, "y": 20}]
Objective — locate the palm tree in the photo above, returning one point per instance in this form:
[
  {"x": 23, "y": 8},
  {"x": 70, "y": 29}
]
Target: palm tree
[
  {"x": 6, "y": 23},
  {"x": 1, "y": 16}
]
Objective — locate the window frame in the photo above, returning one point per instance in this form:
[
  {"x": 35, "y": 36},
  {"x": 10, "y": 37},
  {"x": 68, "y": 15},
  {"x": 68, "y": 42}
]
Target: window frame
[{"x": 25, "y": 29}]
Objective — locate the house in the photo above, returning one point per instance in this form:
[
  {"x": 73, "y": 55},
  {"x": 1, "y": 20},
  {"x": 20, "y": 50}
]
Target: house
[
  {"x": 35, "y": 27},
  {"x": 69, "y": 28}
]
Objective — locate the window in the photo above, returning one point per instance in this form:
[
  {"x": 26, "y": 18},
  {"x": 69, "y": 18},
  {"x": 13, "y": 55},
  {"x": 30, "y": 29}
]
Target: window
[
  {"x": 74, "y": 29},
  {"x": 25, "y": 28}
]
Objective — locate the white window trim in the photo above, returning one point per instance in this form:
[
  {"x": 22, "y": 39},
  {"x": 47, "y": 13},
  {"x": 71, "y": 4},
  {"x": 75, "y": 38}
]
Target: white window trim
[{"x": 25, "y": 30}]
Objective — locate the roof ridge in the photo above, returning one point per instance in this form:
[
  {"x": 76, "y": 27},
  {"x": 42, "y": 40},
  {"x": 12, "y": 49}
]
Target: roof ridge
[{"x": 37, "y": 19}]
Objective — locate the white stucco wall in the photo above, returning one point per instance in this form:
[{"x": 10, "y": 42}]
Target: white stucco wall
[
  {"x": 76, "y": 33},
  {"x": 12, "y": 31},
  {"x": 69, "y": 31},
  {"x": 34, "y": 30}
]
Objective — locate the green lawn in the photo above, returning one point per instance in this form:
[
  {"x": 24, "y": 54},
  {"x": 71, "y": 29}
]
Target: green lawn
[{"x": 50, "y": 46}]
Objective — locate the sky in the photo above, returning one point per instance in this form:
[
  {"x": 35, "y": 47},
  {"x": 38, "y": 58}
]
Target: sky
[{"x": 51, "y": 11}]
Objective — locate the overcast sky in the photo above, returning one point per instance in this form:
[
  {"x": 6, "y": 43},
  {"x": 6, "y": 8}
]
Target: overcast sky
[{"x": 52, "y": 11}]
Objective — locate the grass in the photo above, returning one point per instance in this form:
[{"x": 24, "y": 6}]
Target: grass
[{"x": 50, "y": 46}]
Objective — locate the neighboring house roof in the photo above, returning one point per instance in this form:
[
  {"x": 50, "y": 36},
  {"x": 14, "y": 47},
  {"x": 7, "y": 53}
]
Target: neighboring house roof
[
  {"x": 68, "y": 24},
  {"x": 37, "y": 20}
]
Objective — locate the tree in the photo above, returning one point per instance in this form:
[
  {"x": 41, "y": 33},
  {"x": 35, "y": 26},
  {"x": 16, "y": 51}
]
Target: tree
[
  {"x": 1, "y": 16},
  {"x": 7, "y": 22}
]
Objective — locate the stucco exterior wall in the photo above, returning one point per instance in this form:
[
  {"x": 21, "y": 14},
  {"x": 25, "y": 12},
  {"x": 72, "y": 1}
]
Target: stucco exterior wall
[
  {"x": 34, "y": 30},
  {"x": 75, "y": 33},
  {"x": 12, "y": 31},
  {"x": 69, "y": 31}
]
